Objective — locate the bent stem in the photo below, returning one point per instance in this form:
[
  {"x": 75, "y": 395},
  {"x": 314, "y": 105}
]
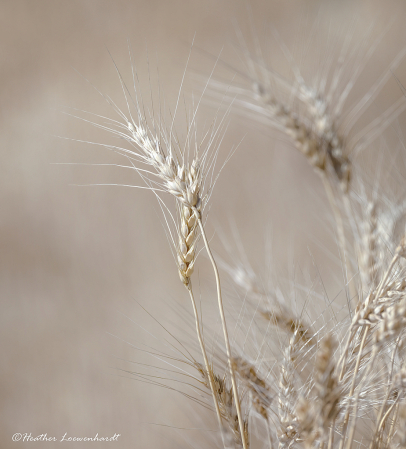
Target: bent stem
[
  {"x": 206, "y": 361},
  {"x": 224, "y": 325},
  {"x": 381, "y": 424}
]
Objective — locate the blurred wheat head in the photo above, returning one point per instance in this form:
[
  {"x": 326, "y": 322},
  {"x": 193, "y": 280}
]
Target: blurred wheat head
[{"x": 309, "y": 371}]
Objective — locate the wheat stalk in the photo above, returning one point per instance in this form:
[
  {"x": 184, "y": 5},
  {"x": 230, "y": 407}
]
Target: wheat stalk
[{"x": 225, "y": 332}]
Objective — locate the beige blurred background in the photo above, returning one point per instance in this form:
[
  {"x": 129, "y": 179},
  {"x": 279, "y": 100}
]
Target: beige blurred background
[{"x": 76, "y": 261}]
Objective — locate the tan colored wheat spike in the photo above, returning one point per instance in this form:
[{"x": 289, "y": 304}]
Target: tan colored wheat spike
[
  {"x": 316, "y": 416},
  {"x": 182, "y": 182},
  {"x": 225, "y": 399},
  {"x": 284, "y": 320},
  {"x": 369, "y": 258},
  {"x": 188, "y": 231},
  {"x": 259, "y": 391},
  {"x": 316, "y": 139},
  {"x": 288, "y": 392}
]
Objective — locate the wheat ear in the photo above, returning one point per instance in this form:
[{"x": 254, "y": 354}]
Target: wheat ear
[
  {"x": 225, "y": 331},
  {"x": 257, "y": 387},
  {"x": 288, "y": 392},
  {"x": 184, "y": 182},
  {"x": 186, "y": 260}
]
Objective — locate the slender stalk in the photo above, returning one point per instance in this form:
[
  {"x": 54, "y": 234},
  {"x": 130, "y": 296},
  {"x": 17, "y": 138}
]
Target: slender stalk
[
  {"x": 331, "y": 437},
  {"x": 394, "y": 420},
  {"x": 343, "y": 357},
  {"x": 206, "y": 361},
  {"x": 354, "y": 421},
  {"x": 380, "y": 421},
  {"x": 347, "y": 413},
  {"x": 226, "y": 339},
  {"x": 386, "y": 415}
]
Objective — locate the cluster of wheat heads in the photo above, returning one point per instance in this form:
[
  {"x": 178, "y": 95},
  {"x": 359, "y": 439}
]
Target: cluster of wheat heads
[{"x": 334, "y": 379}]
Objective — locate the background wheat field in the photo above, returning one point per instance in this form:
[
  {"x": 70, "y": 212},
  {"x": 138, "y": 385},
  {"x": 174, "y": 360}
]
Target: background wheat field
[{"x": 85, "y": 271}]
